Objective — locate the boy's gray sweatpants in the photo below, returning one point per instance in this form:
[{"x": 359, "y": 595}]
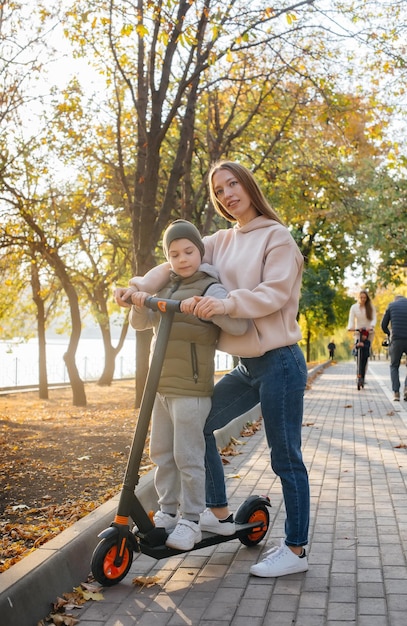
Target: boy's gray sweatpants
[{"x": 177, "y": 447}]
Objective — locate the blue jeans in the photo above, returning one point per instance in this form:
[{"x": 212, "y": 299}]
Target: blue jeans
[
  {"x": 397, "y": 347},
  {"x": 276, "y": 380}
]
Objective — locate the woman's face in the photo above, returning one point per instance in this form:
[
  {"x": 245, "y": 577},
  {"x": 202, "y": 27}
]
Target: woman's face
[
  {"x": 233, "y": 196},
  {"x": 362, "y": 298}
]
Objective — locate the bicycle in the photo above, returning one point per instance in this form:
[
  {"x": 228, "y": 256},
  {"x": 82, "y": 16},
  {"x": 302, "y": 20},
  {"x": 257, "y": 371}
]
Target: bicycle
[{"x": 361, "y": 351}]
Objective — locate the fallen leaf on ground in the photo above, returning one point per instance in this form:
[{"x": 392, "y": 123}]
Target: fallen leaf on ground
[
  {"x": 237, "y": 442},
  {"x": 88, "y": 594},
  {"x": 229, "y": 451},
  {"x": 146, "y": 581},
  {"x": 63, "y": 620}
]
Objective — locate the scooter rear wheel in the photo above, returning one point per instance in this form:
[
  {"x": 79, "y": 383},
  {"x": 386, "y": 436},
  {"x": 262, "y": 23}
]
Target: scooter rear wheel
[
  {"x": 253, "y": 511},
  {"x": 103, "y": 568}
]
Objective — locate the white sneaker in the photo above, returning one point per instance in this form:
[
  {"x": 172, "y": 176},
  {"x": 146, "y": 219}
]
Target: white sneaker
[
  {"x": 185, "y": 535},
  {"x": 164, "y": 520},
  {"x": 280, "y": 561},
  {"x": 210, "y": 523}
]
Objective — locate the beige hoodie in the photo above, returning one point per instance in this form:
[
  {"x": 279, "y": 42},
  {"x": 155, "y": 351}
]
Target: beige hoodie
[{"x": 261, "y": 266}]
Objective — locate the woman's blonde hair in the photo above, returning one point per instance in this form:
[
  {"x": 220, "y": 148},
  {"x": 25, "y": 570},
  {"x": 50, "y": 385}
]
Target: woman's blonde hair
[{"x": 247, "y": 180}]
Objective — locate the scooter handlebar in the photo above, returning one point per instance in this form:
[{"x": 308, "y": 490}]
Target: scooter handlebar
[
  {"x": 163, "y": 305},
  {"x": 357, "y": 330}
]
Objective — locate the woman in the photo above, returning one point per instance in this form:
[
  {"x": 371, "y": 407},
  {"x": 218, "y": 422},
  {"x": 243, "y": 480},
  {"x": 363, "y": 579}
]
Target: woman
[
  {"x": 362, "y": 314},
  {"x": 261, "y": 266}
]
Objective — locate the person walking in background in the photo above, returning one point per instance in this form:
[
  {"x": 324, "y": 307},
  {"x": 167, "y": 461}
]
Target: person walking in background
[
  {"x": 396, "y": 317},
  {"x": 261, "y": 266},
  {"x": 183, "y": 400},
  {"x": 331, "y": 349}
]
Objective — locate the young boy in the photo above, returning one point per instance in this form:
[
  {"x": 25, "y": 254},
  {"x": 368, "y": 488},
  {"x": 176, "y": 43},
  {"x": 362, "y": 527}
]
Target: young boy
[{"x": 183, "y": 400}]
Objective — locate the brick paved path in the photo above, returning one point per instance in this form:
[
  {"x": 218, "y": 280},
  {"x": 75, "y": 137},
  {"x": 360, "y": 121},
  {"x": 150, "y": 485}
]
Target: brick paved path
[{"x": 354, "y": 449}]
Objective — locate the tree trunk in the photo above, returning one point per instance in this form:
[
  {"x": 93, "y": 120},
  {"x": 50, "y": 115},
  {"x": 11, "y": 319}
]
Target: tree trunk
[
  {"x": 42, "y": 355},
  {"x": 77, "y": 384},
  {"x": 106, "y": 376},
  {"x": 308, "y": 345},
  {"x": 111, "y": 352}
]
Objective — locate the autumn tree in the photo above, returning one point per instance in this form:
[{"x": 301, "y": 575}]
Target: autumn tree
[
  {"x": 185, "y": 83},
  {"x": 157, "y": 58}
]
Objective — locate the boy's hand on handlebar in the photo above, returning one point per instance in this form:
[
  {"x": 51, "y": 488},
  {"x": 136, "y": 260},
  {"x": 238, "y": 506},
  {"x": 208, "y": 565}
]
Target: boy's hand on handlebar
[
  {"x": 122, "y": 295},
  {"x": 139, "y": 297}
]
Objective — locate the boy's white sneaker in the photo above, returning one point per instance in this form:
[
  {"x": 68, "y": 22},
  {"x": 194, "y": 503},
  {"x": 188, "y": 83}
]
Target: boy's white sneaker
[
  {"x": 280, "y": 561},
  {"x": 164, "y": 520},
  {"x": 185, "y": 535},
  {"x": 210, "y": 523}
]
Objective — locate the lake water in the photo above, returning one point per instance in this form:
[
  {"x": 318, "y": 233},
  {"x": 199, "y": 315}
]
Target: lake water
[{"x": 19, "y": 361}]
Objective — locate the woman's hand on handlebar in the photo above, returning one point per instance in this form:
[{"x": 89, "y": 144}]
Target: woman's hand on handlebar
[
  {"x": 207, "y": 306},
  {"x": 188, "y": 305}
]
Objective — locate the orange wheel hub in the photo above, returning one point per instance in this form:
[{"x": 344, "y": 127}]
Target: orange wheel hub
[
  {"x": 109, "y": 568},
  {"x": 258, "y": 517}
]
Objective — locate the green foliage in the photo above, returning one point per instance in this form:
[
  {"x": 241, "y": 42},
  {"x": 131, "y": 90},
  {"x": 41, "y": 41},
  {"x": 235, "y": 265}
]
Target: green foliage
[{"x": 317, "y": 297}]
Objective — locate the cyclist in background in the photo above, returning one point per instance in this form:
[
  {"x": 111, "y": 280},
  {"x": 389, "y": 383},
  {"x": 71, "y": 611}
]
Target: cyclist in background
[
  {"x": 362, "y": 317},
  {"x": 362, "y": 314}
]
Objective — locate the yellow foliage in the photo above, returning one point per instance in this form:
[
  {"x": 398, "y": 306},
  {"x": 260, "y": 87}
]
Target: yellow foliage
[
  {"x": 141, "y": 30},
  {"x": 163, "y": 38},
  {"x": 291, "y": 17},
  {"x": 127, "y": 30}
]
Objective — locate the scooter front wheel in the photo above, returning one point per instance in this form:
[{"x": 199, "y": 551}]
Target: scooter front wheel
[
  {"x": 102, "y": 565},
  {"x": 254, "y": 511}
]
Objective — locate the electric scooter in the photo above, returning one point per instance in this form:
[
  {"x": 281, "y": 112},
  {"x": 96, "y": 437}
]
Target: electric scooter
[
  {"x": 113, "y": 556},
  {"x": 362, "y": 355}
]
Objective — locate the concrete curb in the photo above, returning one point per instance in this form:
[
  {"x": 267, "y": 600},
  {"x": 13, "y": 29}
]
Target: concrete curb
[{"x": 28, "y": 588}]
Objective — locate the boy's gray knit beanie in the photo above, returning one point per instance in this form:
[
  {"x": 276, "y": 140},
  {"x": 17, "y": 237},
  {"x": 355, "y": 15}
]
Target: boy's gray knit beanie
[{"x": 181, "y": 229}]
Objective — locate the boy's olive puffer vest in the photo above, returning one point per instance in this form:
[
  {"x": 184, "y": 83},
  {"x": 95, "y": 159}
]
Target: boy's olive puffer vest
[{"x": 188, "y": 368}]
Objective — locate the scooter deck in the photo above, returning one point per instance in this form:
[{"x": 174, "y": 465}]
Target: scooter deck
[{"x": 208, "y": 539}]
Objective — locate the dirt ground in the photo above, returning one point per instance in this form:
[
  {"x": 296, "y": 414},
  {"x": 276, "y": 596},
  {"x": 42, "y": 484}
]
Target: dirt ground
[{"x": 58, "y": 462}]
